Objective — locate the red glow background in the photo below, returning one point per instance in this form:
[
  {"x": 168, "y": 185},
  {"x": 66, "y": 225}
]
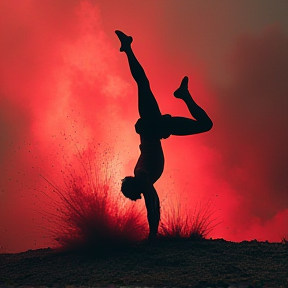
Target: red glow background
[{"x": 64, "y": 84}]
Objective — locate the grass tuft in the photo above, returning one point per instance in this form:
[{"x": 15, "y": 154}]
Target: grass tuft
[
  {"x": 179, "y": 222},
  {"x": 284, "y": 240},
  {"x": 91, "y": 215}
]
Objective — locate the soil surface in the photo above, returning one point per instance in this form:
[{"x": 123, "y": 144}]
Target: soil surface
[{"x": 164, "y": 263}]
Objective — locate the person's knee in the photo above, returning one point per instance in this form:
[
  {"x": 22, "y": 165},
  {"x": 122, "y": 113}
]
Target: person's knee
[{"x": 208, "y": 125}]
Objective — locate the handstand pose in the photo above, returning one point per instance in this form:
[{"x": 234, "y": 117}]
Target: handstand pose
[{"x": 153, "y": 126}]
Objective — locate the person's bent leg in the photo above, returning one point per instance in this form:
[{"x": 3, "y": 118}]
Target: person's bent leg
[
  {"x": 186, "y": 126},
  {"x": 147, "y": 103}
]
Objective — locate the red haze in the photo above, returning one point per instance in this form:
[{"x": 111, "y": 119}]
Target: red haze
[
  {"x": 252, "y": 126},
  {"x": 59, "y": 82},
  {"x": 64, "y": 85}
]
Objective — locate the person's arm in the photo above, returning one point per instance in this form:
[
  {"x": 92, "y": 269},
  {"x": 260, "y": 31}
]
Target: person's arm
[
  {"x": 152, "y": 206},
  {"x": 153, "y": 210}
]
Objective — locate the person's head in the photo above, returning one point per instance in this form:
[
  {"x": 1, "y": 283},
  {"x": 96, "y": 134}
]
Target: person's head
[{"x": 131, "y": 188}]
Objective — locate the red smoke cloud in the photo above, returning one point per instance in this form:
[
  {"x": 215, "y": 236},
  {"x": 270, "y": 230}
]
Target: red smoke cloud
[
  {"x": 64, "y": 85},
  {"x": 60, "y": 91},
  {"x": 252, "y": 125}
]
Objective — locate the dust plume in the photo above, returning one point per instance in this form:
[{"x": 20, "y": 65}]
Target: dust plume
[{"x": 60, "y": 91}]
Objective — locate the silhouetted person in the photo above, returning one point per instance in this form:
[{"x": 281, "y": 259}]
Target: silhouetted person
[{"x": 153, "y": 126}]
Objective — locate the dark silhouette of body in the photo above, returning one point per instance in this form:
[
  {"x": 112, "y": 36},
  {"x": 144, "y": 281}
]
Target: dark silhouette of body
[{"x": 152, "y": 127}]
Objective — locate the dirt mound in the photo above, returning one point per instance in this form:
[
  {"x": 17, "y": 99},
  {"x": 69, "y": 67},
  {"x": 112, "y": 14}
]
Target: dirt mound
[{"x": 166, "y": 262}]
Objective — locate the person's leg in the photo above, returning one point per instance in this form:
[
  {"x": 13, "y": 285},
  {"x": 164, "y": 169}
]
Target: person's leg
[
  {"x": 147, "y": 104},
  {"x": 185, "y": 126}
]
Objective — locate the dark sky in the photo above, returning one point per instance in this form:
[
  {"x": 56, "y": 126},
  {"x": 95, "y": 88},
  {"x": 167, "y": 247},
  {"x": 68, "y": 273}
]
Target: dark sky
[{"x": 64, "y": 84}]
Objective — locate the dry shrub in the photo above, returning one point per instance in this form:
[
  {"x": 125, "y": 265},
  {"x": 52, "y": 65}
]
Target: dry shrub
[
  {"x": 284, "y": 240},
  {"x": 90, "y": 214},
  {"x": 179, "y": 222}
]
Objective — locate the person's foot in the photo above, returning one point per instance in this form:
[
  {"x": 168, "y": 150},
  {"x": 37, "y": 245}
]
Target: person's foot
[
  {"x": 124, "y": 39},
  {"x": 182, "y": 92}
]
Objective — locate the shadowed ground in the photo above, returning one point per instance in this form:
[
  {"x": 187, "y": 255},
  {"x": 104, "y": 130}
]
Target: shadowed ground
[{"x": 177, "y": 263}]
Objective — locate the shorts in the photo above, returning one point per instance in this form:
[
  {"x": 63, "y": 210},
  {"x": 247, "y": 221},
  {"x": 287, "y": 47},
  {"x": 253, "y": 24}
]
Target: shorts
[{"x": 154, "y": 128}]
